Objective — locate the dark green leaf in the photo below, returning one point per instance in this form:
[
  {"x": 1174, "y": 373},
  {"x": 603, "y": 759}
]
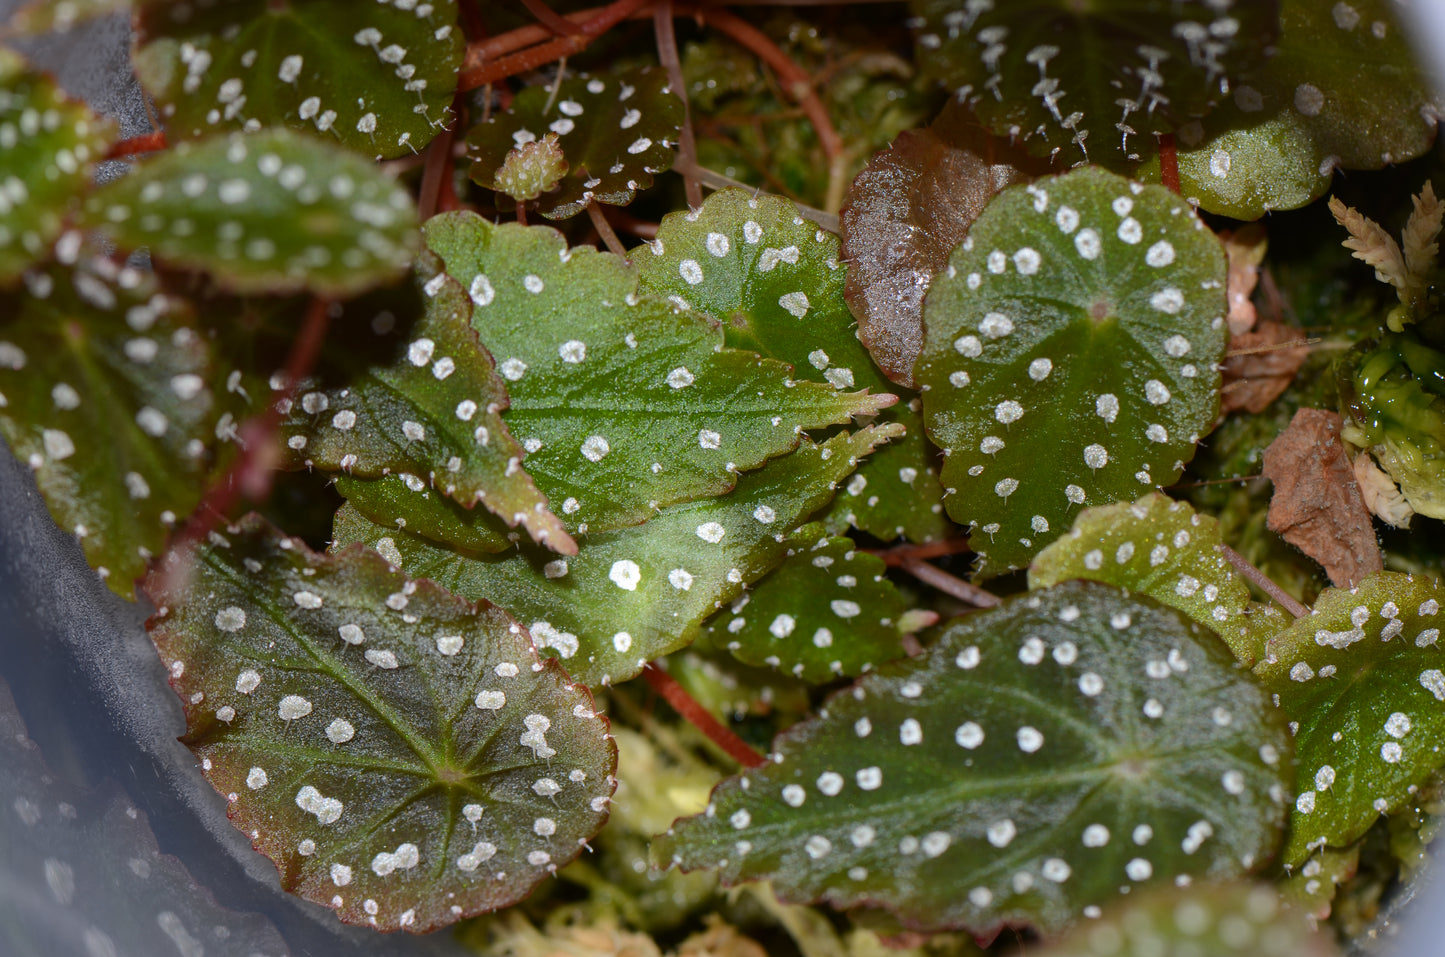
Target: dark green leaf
[
  {"x": 400, "y": 754},
  {"x": 433, "y": 411},
  {"x": 377, "y": 78},
  {"x": 623, "y": 403},
  {"x": 616, "y": 131},
  {"x": 50, "y": 146},
  {"x": 105, "y": 391},
  {"x": 1094, "y": 80},
  {"x": 269, "y": 212},
  {"x": 1361, "y": 679},
  {"x": 1071, "y": 356},
  {"x": 405, "y": 500},
  {"x": 635, "y": 593},
  {"x": 1042, "y": 758},
  {"x": 827, "y": 610}
]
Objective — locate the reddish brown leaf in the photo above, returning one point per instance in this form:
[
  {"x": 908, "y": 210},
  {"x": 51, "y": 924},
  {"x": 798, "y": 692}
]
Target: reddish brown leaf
[
  {"x": 1260, "y": 366},
  {"x": 905, "y": 212},
  {"x": 1317, "y": 505}
]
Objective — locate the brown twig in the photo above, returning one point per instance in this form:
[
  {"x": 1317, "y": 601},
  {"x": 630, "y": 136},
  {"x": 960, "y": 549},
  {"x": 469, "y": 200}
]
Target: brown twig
[
  {"x": 604, "y": 229},
  {"x": 699, "y": 717},
  {"x": 1266, "y": 585},
  {"x": 550, "y": 18},
  {"x": 898, "y": 555},
  {"x": 686, "y": 141},
  {"x": 950, "y": 584},
  {"x": 476, "y": 71},
  {"x": 145, "y": 143}
]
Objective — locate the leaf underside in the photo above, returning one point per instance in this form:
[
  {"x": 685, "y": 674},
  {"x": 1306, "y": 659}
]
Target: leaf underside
[
  {"x": 1362, "y": 675},
  {"x": 1071, "y": 356},
  {"x": 1042, "y": 757},
  {"x": 376, "y": 78},
  {"x": 400, "y": 754}
]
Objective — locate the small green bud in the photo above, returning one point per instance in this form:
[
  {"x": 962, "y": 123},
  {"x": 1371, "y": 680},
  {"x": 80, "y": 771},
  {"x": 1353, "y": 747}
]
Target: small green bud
[{"x": 532, "y": 169}]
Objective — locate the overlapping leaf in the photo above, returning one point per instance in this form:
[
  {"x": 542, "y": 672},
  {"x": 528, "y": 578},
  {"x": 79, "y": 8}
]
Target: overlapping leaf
[
  {"x": 827, "y": 610},
  {"x": 623, "y": 403},
  {"x": 905, "y": 212},
  {"x": 1342, "y": 91},
  {"x": 1041, "y": 758},
  {"x": 615, "y": 131},
  {"x": 406, "y": 500},
  {"x": 1169, "y": 552},
  {"x": 635, "y": 593},
  {"x": 1071, "y": 356},
  {"x": 1362, "y": 678},
  {"x": 268, "y": 212},
  {"x": 378, "y": 78},
  {"x": 50, "y": 145},
  {"x": 1094, "y": 80},
  {"x": 773, "y": 280},
  {"x": 105, "y": 390},
  {"x": 400, "y": 754},
  {"x": 432, "y": 412}
]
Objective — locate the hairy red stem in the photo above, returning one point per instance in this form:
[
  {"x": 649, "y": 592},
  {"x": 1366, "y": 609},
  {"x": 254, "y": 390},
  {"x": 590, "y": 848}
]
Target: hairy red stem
[
  {"x": 698, "y": 716},
  {"x": 476, "y": 71},
  {"x": 899, "y": 555},
  {"x": 550, "y": 18},
  {"x": 950, "y": 584},
  {"x": 604, "y": 229},
  {"x": 1169, "y": 162},
  {"x": 145, "y": 143},
  {"x": 662, "y": 15}
]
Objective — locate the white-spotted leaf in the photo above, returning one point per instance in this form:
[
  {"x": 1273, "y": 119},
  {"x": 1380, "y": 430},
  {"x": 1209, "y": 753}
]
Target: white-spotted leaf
[
  {"x": 1041, "y": 758},
  {"x": 406, "y": 500},
  {"x": 1363, "y": 680},
  {"x": 1071, "y": 356},
  {"x": 377, "y": 78},
  {"x": 616, "y": 131},
  {"x": 401, "y": 755},
  {"x": 431, "y": 411},
  {"x": 633, "y": 594},
  {"x": 268, "y": 212},
  {"x": 623, "y": 403}
]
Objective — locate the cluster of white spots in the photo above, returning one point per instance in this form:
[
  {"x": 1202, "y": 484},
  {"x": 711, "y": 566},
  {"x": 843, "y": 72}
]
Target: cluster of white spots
[
  {"x": 327, "y": 810},
  {"x": 405, "y": 857},
  {"x": 535, "y": 736}
]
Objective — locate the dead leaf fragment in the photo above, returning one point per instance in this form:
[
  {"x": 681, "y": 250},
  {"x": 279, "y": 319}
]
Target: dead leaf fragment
[
  {"x": 1260, "y": 365},
  {"x": 1317, "y": 505},
  {"x": 1382, "y": 496},
  {"x": 1244, "y": 250}
]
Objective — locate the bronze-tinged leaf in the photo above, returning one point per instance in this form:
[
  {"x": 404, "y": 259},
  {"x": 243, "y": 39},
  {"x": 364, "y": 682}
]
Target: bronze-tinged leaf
[{"x": 1316, "y": 505}]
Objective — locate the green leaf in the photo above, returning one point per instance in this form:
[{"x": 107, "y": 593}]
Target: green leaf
[
  {"x": 50, "y": 146},
  {"x": 773, "y": 281},
  {"x": 1071, "y": 356},
  {"x": 1342, "y": 91},
  {"x": 1361, "y": 679},
  {"x": 827, "y": 610},
  {"x": 1041, "y": 758},
  {"x": 105, "y": 392},
  {"x": 1092, "y": 81},
  {"x": 268, "y": 212},
  {"x": 377, "y": 78},
  {"x": 1313, "y": 885},
  {"x": 400, "y": 754},
  {"x": 1223, "y": 920},
  {"x": 1167, "y": 551},
  {"x": 635, "y": 593},
  {"x": 623, "y": 404},
  {"x": 405, "y": 500},
  {"x": 432, "y": 410},
  {"x": 616, "y": 132}
]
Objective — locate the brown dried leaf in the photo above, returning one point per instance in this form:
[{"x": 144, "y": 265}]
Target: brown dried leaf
[
  {"x": 1244, "y": 248},
  {"x": 1420, "y": 235},
  {"x": 720, "y": 939},
  {"x": 1254, "y": 379},
  {"x": 1371, "y": 244},
  {"x": 905, "y": 212},
  {"x": 1316, "y": 505}
]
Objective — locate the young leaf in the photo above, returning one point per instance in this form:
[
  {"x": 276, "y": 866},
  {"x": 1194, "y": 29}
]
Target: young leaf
[
  {"x": 623, "y": 404},
  {"x": 906, "y": 211},
  {"x": 104, "y": 391},
  {"x": 405, "y": 500},
  {"x": 400, "y": 754},
  {"x": 268, "y": 212},
  {"x": 50, "y": 145},
  {"x": 1092, "y": 80},
  {"x": 635, "y": 593},
  {"x": 616, "y": 132},
  {"x": 1342, "y": 90},
  {"x": 1313, "y": 885},
  {"x": 773, "y": 280},
  {"x": 377, "y": 78},
  {"x": 794, "y": 620},
  {"x": 1167, "y": 551},
  {"x": 1041, "y": 758},
  {"x": 1071, "y": 356},
  {"x": 431, "y": 411},
  {"x": 1361, "y": 679}
]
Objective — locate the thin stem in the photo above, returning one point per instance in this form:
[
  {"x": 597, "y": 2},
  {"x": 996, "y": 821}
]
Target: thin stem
[
  {"x": 715, "y": 180},
  {"x": 604, "y": 229},
  {"x": 1169, "y": 162},
  {"x": 1222, "y": 481},
  {"x": 476, "y": 71},
  {"x": 550, "y": 18},
  {"x": 145, "y": 143},
  {"x": 900, "y": 554},
  {"x": 1266, "y": 585},
  {"x": 1292, "y": 344},
  {"x": 950, "y": 584},
  {"x": 436, "y": 177},
  {"x": 667, "y": 54},
  {"x": 698, "y": 716}
]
